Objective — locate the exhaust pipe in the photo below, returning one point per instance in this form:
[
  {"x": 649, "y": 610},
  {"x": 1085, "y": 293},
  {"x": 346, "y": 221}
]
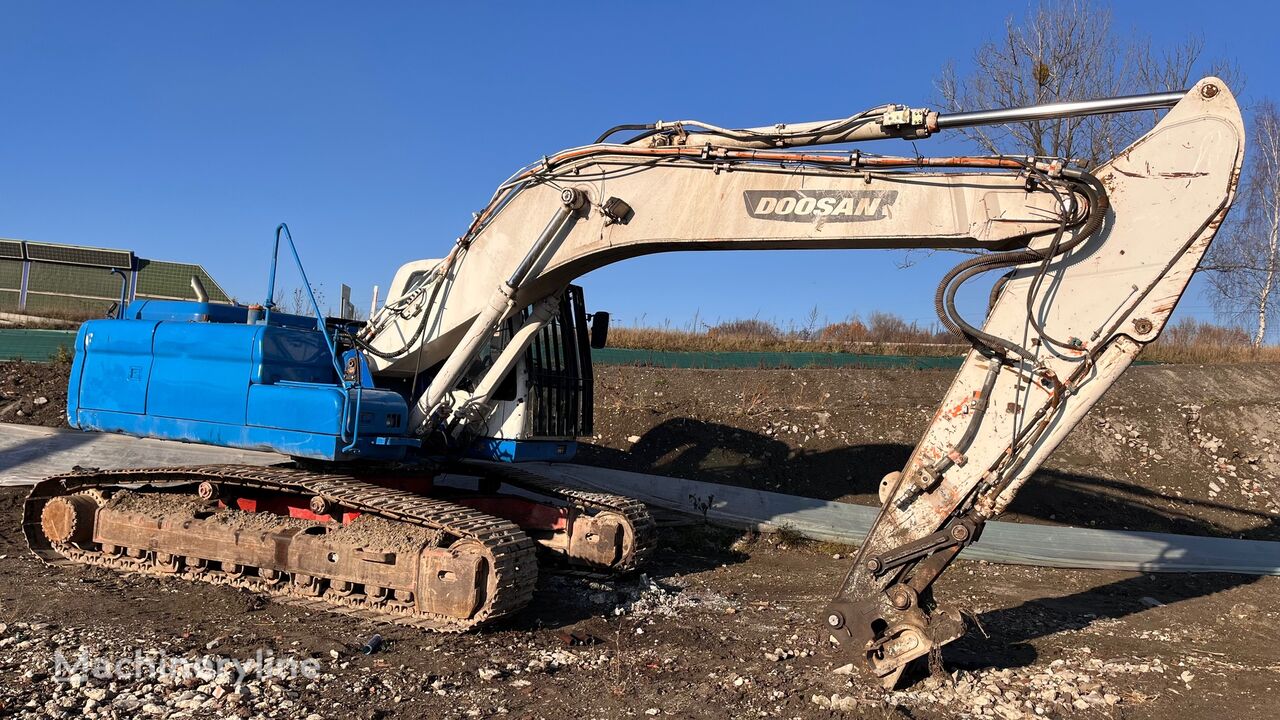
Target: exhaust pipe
[{"x": 198, "y": 288}]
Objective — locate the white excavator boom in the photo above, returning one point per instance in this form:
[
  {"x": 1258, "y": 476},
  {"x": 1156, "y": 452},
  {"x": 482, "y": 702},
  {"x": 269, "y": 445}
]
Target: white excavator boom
[{"x": 1092, "y": 265}]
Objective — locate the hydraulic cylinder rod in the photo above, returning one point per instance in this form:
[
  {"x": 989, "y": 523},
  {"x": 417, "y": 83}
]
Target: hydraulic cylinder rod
[
  {"x": 1128, "y": 103},
  {"x": 500, "y": 305},
  {"x": 480, "y": 401}
]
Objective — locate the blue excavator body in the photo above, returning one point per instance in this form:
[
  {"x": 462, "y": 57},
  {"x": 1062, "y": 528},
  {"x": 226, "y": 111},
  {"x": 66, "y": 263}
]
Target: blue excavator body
[{"x": 206, "y": 373}]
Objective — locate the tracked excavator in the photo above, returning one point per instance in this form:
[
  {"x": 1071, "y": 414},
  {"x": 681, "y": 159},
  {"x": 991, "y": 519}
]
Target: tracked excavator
[{"x": 480, "y": 362}]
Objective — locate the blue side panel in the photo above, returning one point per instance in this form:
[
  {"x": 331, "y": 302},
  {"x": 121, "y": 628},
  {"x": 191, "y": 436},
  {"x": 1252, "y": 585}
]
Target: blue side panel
[
  {"x": 523, "y": 450},
  {"x": 318, "y": 408},
  {"x": 201, "y": 370},
  {"x": 285, "y": 442},
  {"x": 281, "y": 354},
  {"x": 115, "y": 361},
  {"x": 77, "y": 373}
]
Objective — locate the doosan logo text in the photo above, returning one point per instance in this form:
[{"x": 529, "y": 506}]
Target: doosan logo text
[{"x": 827, "y": 205}]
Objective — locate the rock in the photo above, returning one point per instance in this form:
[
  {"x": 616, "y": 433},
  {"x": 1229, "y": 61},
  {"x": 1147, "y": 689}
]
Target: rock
[
  {"x": 40, "y": 400},
  {"x": 844, "y": 702},
  {"x": 487, "y": 673},
  {"x": 1008, "y": 712},
  {"x": 98, "y": 695},
  {"x": 633, "y": 439}
]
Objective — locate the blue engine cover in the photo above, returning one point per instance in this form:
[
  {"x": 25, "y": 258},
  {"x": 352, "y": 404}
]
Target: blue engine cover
[{"x": 197, "y": 372}]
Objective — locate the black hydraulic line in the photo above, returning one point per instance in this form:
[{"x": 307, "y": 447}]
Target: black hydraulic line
[
  {"x": 1098, "y": 204},
  {"x": 971, "y": 431},
  {"x": 628, "y": 126},
  {"x": 996, "y": 288},
  {"x": 417, "y": 333},
  {"x": 944, "y": 298}
]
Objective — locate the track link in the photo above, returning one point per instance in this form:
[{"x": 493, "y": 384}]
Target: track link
[{"x": 507, "y": 550}]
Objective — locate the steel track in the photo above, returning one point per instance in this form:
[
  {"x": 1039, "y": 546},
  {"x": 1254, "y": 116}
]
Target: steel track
[{"x": 509, "y": 551}]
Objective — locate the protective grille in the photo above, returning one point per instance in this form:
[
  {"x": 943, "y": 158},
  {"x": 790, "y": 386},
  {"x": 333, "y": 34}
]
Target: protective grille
[
  {"x": 170, "y": 280},
  {"x": 10, "y": 274},
  {"x": 10, "y": 248},
  {"x": 560, "y": 379}
]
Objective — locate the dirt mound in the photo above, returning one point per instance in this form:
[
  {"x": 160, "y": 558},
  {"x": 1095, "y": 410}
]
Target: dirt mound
[
  {"x": 34, "y": 393},
  {"x": 1172, "y": 448}
]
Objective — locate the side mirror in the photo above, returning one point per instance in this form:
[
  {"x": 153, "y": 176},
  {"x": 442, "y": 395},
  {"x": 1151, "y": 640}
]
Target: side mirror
[{"x": 599, "y": 329}]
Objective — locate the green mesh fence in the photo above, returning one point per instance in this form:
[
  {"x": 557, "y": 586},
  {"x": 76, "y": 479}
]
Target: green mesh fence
[
  {"x": 729, "y": 360},
  {"x": 10, "y": 274},
  {"x": 91, "y": 282},
  {"x": 160, "y": 279},
  {"x": 64, "y": 306},
  {"x": 35, "y": 345}
]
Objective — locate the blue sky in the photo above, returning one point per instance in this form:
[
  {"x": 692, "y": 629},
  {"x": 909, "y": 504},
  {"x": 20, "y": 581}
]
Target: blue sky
[{"x": 187, "y": 131}]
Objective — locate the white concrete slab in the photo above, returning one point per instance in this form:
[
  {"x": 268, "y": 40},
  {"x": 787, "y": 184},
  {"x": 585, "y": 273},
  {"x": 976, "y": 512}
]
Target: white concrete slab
[{"x": 29, "y": 453}]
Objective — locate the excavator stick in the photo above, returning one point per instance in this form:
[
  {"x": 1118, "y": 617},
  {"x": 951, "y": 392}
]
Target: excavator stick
[{"x": 1062, "y": 328}]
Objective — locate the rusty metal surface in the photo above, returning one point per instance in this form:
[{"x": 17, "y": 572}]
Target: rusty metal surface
[
  {"x": 1167, "y": 193},
  {"x": 625, "y": 533},
  {"x": 478, "y": 568}
]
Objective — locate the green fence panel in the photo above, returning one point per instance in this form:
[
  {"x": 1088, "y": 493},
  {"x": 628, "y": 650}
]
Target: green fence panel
[
  {"x": 34, "y": 345},
  {"x": 726, "y": 360}
]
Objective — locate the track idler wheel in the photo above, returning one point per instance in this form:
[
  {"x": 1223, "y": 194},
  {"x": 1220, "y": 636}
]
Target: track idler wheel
[
  {"x": 69, "y": 519},
  {"x": 600, "y": 540}
]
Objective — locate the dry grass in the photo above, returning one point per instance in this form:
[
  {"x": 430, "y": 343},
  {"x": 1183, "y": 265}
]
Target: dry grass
[
  {"x": 1196, "y": 342},
  {"x": 880, "y": 334},
  {"x": 1188, "y": 341}
]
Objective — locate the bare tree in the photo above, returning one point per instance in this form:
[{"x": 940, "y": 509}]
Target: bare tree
[
  {"x": 1244, "y": 262},
  {"x": 300, "y": 303},
  {"x": 1062, "y": 51}
]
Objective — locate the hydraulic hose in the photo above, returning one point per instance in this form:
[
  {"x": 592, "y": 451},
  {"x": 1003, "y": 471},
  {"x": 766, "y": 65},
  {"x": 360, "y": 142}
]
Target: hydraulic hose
[
  {"x": 975, "y": 421},
  {"x": 944, "y": 297},
  {"x": 629, "y": 126}
]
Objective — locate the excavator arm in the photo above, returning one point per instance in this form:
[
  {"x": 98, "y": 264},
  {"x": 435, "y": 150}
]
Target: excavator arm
[{"x": 1091, "y": 265}]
